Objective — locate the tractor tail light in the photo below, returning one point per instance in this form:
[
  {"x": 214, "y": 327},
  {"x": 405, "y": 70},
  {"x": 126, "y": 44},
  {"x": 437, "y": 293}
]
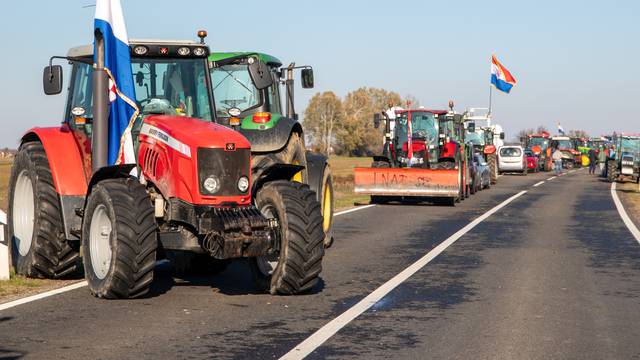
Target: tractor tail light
[{"x": 261, "y": 117}]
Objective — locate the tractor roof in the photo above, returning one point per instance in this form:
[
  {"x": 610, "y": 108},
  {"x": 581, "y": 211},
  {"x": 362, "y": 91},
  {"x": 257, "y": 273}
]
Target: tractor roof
[
  {"x": 266, "y": 58},
  {"x": 87, "y": 50},
  {"x": 435, "y": 112}
]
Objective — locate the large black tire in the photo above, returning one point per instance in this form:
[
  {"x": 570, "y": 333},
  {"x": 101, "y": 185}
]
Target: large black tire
[
  {"x": 45, "y": 253},
  {"x": 492, "y": 161},
  {"x": 612, "y": 170},
  {"x": 125, "y": 207},
  {"x": 299, "y": 259}
]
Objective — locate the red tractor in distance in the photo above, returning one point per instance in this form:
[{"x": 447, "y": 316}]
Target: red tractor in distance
[
  {"x": 425, "y": 158},
  {"x": 539, "y": 146},
  {"x": 193, "y": 193}
]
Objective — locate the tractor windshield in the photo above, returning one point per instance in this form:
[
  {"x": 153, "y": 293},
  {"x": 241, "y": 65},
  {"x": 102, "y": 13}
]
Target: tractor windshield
[
  {"x": 565, "y": 144},
  {"x": 423, "y": 127},
  {"x": 630, "y": 145},
  {"x": 475, "y": 138},
  {"x": 233, "y": 89},
  {"x": 172, "y": 87},
  {"x": 543, "y": 143},
  {"x": 162, "y": 86}
]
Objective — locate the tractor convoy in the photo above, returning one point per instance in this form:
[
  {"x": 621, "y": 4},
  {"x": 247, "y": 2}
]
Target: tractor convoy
[
  {"x": 192, "y": 193},
  {"x": 426, "y": 157}
]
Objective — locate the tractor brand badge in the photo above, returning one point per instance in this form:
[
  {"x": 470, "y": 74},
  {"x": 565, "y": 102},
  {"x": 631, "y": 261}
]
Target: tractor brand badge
[
  {"x": 230, "y": 147},
  {"x": 164, "y": 50}
]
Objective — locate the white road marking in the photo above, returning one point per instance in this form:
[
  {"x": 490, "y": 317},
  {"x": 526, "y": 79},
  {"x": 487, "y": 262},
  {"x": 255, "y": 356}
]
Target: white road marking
[
  {"x": 310, "y": 344},
  {"x": 354, "y": 209},
  {"x": 43, "y": 295},
  {"x": 623, "y": 214},
  {"x": 551, "y": 178},
  {"x": 538, "y": 183}
]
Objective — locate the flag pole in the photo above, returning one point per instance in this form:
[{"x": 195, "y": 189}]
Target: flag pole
[{"x": 490, "y": 93}]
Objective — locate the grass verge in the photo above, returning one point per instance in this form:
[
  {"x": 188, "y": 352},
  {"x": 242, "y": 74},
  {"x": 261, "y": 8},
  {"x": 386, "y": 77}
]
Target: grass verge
[{"x": 342, "y": 171}]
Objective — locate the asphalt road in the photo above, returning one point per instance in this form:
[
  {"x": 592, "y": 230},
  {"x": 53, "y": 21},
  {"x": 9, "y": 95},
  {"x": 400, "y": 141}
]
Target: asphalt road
[{"x": 553, "y": 274}]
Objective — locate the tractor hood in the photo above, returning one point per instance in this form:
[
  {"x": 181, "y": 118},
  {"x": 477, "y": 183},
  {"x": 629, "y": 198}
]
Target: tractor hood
[{"x": 181, "y": 132}]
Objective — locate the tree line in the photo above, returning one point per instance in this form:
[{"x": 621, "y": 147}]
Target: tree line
[{"x": 344, "y": 126}]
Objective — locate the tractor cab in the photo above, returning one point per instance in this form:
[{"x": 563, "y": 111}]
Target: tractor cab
[
  {"x": 170, "y": 78},
  {"x": 242, "y": 102},
  {"x": 416, "y": 138}
]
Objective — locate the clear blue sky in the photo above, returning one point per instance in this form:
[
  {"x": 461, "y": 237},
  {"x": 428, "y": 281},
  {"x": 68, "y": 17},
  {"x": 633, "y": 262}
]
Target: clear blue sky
[{"x": 575, "y": 61}]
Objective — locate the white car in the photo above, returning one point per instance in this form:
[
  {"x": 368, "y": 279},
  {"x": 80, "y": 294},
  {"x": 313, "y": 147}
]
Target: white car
[{"x": 511, "y": 158}]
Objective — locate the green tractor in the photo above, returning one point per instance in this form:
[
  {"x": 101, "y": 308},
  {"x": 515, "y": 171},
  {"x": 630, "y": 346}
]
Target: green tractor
[
  {"x": 246, "y": 88},
  {"x": 625, "y": 162}
]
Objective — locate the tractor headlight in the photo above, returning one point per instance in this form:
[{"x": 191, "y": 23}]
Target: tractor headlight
[
  {"x": 243, "y": 184},
  {"x": 211, "y": 184}
]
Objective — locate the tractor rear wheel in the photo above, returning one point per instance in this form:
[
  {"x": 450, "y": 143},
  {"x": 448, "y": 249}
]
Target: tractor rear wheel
[
  {"x": 38, "y": 246},
  {"x": 611, "y": 170},
  {"x": 119, "y": 239},
  {"x": 296, "y": 264},
  {"x": 326, "y": 206},
  {"x": 493, "y": 167}
]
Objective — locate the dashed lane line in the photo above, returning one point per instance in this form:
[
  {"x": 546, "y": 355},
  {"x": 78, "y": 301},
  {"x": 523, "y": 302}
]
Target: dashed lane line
[
  {"x": 323, "y": 334},
  {"x": 538, "y": 183}
]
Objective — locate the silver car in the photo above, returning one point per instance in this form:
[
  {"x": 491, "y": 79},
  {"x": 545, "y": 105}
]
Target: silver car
[{"x": 511, "y": 159}]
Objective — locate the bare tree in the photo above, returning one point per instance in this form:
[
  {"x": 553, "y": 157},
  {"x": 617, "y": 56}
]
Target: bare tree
[{"x": 320, "y": 118}]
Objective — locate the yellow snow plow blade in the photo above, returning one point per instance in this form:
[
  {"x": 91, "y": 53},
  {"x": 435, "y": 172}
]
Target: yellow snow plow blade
[{"x": 407, "y": 182}]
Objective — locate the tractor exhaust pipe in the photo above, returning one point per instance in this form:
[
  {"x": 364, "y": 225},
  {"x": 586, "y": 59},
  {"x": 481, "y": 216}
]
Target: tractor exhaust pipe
[
  {"x": 100, "y": 137},
  {"x": 291, "y": 113}
]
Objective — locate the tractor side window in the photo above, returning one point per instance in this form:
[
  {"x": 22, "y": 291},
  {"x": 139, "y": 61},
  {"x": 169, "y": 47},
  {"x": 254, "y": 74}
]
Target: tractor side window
[{"x": 81, "y": 94}]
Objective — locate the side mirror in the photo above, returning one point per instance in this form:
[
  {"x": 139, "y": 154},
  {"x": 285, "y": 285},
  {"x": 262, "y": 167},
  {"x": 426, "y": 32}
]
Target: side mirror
[
  {"x": 502, "y": 136},
  {"x": 471, "y": 127},
  {"x": 376, "y": 120},
  {"x": 307, "y": 78},
  {"x": 260, "y": 74},
  {"x": 52, "y": 79}
]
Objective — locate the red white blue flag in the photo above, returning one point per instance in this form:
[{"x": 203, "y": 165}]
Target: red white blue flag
[
  {"x": 117, "y": 62},
  {"x": 501, "y": 78}
]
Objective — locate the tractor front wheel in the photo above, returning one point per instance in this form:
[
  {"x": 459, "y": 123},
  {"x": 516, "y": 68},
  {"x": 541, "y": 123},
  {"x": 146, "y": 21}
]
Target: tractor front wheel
[
  {"x": 294, "y": 266},
  {"x": 35, "y": 229},
  {"x": 119, "y": 239}
]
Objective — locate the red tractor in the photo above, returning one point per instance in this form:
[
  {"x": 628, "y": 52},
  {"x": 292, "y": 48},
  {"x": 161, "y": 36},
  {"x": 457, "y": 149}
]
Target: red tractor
[
  {"x": 425, "y": 158},
  {"x": 192, "y": 193}
]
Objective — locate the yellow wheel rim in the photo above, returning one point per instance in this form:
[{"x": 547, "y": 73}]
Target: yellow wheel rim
[
  {"x": 298, "y": 176},
  {"x": 326, "y": 208}
]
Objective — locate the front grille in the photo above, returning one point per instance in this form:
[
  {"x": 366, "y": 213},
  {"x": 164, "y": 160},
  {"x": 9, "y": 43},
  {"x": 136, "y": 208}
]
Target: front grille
[{"x": 228, "y": 166}]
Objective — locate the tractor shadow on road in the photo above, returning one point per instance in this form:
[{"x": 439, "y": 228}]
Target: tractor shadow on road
[{"x": 235, "y": 280}]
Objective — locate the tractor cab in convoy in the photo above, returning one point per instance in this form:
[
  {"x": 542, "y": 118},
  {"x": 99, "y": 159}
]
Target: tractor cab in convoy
[
  {"x": 425, "y": 157},
  {"x": 251, "y": 102},
  {"x": 625, "y": 162},
  {"x": 485, "y": 137},
  {"x": 571, "y": 157},
  {"x": 187, "y": 195},
  {"x": 538, "y": 144}
]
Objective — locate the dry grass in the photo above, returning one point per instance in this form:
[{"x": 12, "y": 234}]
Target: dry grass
[
  {"x": 5, "y": 172},
  {"x": 629, "y": 193},
  {"x": 342, "y": 171}
]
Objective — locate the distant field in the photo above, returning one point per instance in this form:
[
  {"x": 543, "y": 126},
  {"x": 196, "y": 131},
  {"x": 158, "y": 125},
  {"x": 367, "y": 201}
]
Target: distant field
[
  {"x": 342, "y": 171},
  {"x": 5, "y": 172}
]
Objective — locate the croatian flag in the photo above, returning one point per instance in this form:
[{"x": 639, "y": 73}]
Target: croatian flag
[
  {"x": 109, "y": 20},
  {"x": 501, "y": 78},
  {"x": 560, "y": 129}
]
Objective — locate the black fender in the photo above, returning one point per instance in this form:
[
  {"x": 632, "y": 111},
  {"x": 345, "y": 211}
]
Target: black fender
[
  {"x": 110, "y": 172},
  {"x": 272, "y": 139},
  {"x": 317, "y": 167},
  {"x": 276, "y": 171}
]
